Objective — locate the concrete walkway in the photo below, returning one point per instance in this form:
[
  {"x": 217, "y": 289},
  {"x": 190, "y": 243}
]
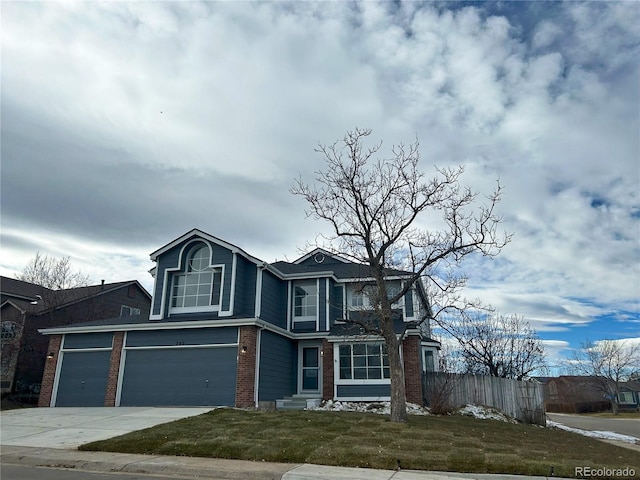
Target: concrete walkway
[
  {"x": 49, "y": 437},
  {"x": 215, "y": 468}
]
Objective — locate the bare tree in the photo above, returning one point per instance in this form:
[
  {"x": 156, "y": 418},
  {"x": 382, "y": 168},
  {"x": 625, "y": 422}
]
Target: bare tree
[
  {"x": 372, "y": 205},
  {"x": 610, "y": 362},
  {"x": 55, "y": 275},
  {"x": 498, "y": 345}
]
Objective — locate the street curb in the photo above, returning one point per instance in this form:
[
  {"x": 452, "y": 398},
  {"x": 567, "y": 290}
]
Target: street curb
[{"x": 148, "y": 464}]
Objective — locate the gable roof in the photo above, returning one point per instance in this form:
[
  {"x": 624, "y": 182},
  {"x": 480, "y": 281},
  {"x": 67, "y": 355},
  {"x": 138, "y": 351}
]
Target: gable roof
[
  {"x": 15, "y": 288},
  {"x": 12, "y": 304},
  {"x": 200, "y": 234},
  {"x": 73, "y": 295},
  {"x": 28, "y": 296},
  {"x": 342, "y": 271},
  {"x": 324, "y": 253}
]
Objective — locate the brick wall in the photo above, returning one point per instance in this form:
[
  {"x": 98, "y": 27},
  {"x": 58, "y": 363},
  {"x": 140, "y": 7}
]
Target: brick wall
[
  {"x": 246, "y": 376},
  {"x": 327, "y": 370},
  {"x": 49, "y": 375},
  {"x": 412, "y": 369},
  {"x": 114, "y": 369}
]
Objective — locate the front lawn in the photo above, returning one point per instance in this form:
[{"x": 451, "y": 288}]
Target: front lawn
[{"x": 445, "y": 443}]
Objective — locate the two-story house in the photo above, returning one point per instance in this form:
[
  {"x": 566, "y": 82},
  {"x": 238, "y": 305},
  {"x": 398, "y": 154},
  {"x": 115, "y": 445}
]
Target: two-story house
[
  {"x": 227, "y": 328},
  {"x": 26, "y": 308}
]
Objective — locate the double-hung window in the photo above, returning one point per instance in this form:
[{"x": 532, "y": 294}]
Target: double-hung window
[
  {"x": 305, "y": 301},
  {"x": 363, "y": 361},
  {"x": 364, "y": 297},
  {"x": 199, "y": 286}
]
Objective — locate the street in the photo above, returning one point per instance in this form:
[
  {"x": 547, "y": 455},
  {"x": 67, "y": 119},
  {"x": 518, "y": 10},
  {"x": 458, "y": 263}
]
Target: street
[
  {"x": 19, "y": 472},
  {"x": 625, "y": 426}
]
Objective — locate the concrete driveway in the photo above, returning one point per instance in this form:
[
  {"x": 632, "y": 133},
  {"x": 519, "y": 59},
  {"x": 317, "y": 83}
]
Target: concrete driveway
[
  {"x": 70, "y": 427},
  {"x": 625, "y": 426}
]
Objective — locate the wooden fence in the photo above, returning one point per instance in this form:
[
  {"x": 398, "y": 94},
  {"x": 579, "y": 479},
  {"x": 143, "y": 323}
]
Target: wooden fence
[{"x": 521, "y": 400}]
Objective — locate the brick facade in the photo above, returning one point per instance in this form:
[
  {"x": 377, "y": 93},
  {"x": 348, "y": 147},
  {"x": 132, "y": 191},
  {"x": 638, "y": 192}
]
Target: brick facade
[
  {"x": 114, "y": 369},
  {"x": 327, "y": 370},
  {"x": 412, "y": 369},
  {"x": 49, "y": 375},
  {"x": 246, "y": 376}
]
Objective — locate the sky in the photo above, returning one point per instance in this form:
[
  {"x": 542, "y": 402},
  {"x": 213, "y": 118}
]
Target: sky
[{"x": 126, "y": 124}]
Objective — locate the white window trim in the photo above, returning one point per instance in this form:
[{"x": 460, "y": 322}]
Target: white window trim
[
  {"x": 366, "y": 301},
  {"x": 307, "y": 318},
  {"x": 301, "y": 346},
  {"x": 258, "y": 301},
  {"x": 327, "y": 307},
  {"x": 344, "y": 381},
  {"x": 203, "y": 308}
]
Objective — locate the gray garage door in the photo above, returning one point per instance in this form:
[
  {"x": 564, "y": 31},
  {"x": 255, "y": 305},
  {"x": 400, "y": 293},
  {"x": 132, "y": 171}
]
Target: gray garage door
[
  {"x": 83, "y": 379},
  {"x": 180, "y": 377}
]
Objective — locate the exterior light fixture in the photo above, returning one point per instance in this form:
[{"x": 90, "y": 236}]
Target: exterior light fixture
[
  {"x": 51, "y": 355},
  {"x": 244, "y": 349}
]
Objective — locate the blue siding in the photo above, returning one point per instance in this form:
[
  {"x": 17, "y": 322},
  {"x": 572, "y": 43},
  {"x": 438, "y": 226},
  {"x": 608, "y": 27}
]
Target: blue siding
[
  {"x": 170, "y": 260},
  {"x": 166, "y": 260},
  {"x": 327, "y": 262},
  {"x": 88, "y": 340},
  {"x": 336, "y": 303},
  {"x": 365, "y": 391},
  {"x": 322, "y": 305},
  {"x": 83, "y": 379},
  {"x": 273, "y": 307},
  {"x": 278, "y": 367},
  {"x": 185, "y": 336},
  {"x": 303, "y": 327},
  {"x": 245, "y": 295}
]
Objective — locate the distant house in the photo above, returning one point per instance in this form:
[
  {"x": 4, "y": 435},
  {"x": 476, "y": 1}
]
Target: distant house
[
  {"x": 581, "y": 394},
  {"x": 25, "y": 308},
  {"x": 629, "y": 395},
  {"x": 227, "y": 328}
]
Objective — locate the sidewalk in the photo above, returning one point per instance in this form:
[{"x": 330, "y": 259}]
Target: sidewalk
[{"x": 214, "y": 468}]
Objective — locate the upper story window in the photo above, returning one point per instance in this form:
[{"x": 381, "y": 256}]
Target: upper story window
[
  {"x": 364, "y": 297},
  {"x": 305, "y": 300},
  {"x": 200, "y": 286},
  {"x": 126, "y": 310}
]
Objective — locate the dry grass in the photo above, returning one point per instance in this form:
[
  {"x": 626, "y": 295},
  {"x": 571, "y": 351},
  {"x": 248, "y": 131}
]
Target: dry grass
[{"x": 448, "y": 443}]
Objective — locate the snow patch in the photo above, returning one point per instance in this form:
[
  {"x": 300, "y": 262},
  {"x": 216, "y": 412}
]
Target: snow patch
[
  {"x": 384, "y": 408},
  {"x": 595, "y": 433},
  {"x": 485, "y": 413},
  {"x": 381, "y": 408}
]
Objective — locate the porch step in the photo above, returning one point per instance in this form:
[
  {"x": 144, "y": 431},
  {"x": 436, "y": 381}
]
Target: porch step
[{"x": 297, "y": 403}]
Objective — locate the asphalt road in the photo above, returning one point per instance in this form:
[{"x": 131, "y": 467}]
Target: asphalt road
[
  {"x": 625, "y": 426},
  {"x": 19, "y": 472}
]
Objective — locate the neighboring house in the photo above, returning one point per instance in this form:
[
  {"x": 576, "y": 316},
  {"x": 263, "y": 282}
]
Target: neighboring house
[
  {"x": 229, "y": 329},
  {"x": 629, "y": 395},
  {"x": 25, "y": 308},
  {"x": 574, "y": 394}
]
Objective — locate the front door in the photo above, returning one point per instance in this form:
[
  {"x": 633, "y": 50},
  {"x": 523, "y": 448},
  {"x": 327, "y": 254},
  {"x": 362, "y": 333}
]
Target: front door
[{"x": 309, "y": 381}]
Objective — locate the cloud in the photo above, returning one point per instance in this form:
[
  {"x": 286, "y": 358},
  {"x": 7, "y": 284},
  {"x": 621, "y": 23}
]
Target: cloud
[{"x": 127, "y": 124}]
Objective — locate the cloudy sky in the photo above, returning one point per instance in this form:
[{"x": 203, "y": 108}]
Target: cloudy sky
[{"x": 126, "y": 124}]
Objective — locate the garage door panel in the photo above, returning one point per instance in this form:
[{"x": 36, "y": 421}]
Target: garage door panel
[
  {"x": 181, "y": 376},
  {"x": 83, "y": 379}
]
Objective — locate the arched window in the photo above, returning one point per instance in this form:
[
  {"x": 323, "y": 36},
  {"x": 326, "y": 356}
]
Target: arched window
[
  {"x": 9, "y": 330},
  {"x": 200, "y": 284}
]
